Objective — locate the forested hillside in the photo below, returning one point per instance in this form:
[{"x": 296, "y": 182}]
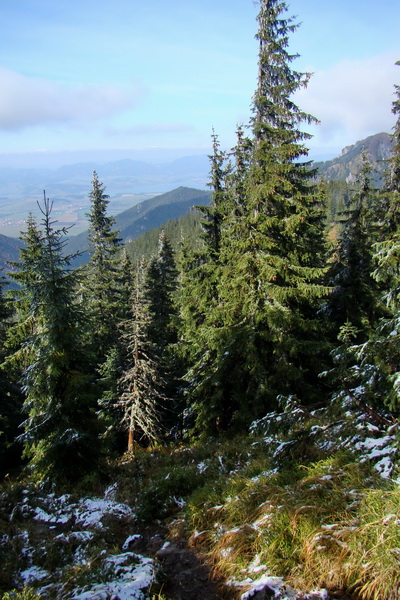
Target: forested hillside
[
  {"x": 217, "y": 417},
  {"x": 145, "y": 216}
]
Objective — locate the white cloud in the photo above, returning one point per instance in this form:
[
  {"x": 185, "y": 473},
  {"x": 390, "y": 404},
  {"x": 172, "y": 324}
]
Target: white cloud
[
  {"x": 28, "y": 101},
  {"x": 352, "y": 99}
]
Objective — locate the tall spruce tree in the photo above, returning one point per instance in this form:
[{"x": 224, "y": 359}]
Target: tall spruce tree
[
  {"x": 385, "y": 343},
  {"x": 265, "y": 338},
  {"x": 214, "y": 214},
  {"x": 201, "y": 288},
  {"x": 60, "y": 438},
  {"x": 200, "y": 267},
  {"x": 101, "y": 291},
  {"x": 110, "y": 369},
  {"x": 161, "y": 285},
  {"x": 200, "y": 277}
]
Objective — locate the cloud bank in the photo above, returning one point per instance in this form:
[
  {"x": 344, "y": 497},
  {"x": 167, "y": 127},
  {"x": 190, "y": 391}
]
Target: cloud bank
[
  {"x": 352, "y": 99},
  {"x": 28, "y": 101}
]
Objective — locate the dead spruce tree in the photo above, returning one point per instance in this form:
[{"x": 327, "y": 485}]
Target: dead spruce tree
[{"x": 140, "y": 383}]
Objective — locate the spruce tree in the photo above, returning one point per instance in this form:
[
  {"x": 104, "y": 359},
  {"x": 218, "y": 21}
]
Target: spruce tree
[
  {"x": 384, "y": 345},
  {"x": 161, "y": 286},
  {"x": 100, "y": 290},
  {"x": 110, "y": 369},
  {"x": 61, "y": 427},
  {"x": 266, "y": 339},
  {"x": 214, "y": 214},
  {"x": 140, "y": 383},
  {"x": 201, "y": 271},
  {"x": 202, "y": 265}
]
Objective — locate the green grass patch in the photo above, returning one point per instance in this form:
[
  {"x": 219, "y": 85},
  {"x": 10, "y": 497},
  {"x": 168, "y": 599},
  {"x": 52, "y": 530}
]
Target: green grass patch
[{"x": 303, "y": 524}]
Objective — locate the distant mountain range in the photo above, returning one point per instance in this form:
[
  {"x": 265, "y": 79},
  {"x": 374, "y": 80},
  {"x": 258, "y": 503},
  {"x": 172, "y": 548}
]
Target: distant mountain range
[
  {"x": 120, "y": 176},
  {"x": 128, "y": 175}
]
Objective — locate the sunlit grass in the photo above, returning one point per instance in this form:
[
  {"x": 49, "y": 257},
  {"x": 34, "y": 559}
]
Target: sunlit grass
[{"x": 311, "y": 525}]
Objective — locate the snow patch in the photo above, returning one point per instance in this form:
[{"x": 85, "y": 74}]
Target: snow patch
[
  {"x": 381, "y": 451},
  {"x": 281, "y": 591},
  {"x": 130, "y": 539},
  {"x": 90, "y": 512},
  {"x": 124, "y": 576},
  {"x": 33, "y": 574},
  {"x": 129, "y": 582}
]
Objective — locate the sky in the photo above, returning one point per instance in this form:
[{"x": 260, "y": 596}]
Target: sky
[{"x": 152, "y": 79}]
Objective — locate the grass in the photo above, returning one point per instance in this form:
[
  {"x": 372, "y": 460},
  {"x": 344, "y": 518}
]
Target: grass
[
  {"x": 315, "y": 526},
  {"x": 317, "y": 518},
  {"x": 375, "y": 547}
]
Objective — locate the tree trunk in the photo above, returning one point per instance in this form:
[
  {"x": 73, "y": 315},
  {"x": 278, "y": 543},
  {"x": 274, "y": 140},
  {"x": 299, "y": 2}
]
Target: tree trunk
[{"x": 130, "y": 440}]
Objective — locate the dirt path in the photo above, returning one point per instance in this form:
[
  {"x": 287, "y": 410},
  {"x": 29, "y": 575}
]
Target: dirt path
[
  {"x": 187, "y": 577},
  {"x": 183, "y": 573}
]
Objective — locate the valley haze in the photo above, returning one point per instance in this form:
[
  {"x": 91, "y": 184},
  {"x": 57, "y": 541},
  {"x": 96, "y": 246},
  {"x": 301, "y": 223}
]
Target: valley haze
[{"x": 127, "y": 182}]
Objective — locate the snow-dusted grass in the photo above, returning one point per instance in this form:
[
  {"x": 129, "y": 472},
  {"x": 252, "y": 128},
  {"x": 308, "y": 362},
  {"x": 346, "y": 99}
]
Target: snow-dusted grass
[
  {"x": 375, "y": 546},
  {"x": 74, "y": 548},
  {"x": 159, "y": 481},
  {"x": 307, "y": 501},
  {"x": 328, "y": 524}
]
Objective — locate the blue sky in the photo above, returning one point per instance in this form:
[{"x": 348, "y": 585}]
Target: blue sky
[{"x": 154, "y": 78}]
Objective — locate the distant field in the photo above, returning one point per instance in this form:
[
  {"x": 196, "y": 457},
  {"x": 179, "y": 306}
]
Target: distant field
[{"x": 69, "y": 211}]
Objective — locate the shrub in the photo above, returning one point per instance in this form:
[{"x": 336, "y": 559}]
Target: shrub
[{"x": 25, "y": 594}]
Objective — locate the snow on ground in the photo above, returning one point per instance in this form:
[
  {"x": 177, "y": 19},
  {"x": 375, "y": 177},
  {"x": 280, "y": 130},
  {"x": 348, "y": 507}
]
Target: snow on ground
[
  {"x": 276, "y": 586},
  {"x": 91, "y": 511},
  {"x": 127, "y": 581},
  {"x": 87, "y": 512},
  {"x": 91, "y": 558},
  {"x": 379, "y": 446}
]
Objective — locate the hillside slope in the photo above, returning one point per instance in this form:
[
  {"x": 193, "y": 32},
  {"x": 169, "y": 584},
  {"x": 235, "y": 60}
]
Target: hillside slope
[
  {"x": 156, "y": 211},
  {"x": 346, "y": 166},
  {"x": 9, "y": 249},
  {"x": 149, "y": 214},
  {"x": 304, "y": 506}
]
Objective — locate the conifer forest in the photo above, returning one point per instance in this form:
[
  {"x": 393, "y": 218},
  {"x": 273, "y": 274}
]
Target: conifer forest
[{"x": 253, "y": 365}]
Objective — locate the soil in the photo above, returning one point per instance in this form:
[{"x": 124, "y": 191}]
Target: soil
[{"x": 184, "y": 574}]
